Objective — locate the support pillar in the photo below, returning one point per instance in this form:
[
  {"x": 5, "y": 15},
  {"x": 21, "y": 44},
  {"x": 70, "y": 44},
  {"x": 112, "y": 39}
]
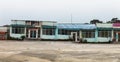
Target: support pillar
[
  {"x": 116, "y": 37},
  {"x": 112, "y": 35},
  {"x": 41, "y": 32},
  {"x": 25, "y": 32},
  {"x": 28, "y": 33},
  {"x": 37, "y": 33},
  {"x": 96, "y": 35},
  {"x": 80, "y": 34},
  {"x": 56, "y": 33}
]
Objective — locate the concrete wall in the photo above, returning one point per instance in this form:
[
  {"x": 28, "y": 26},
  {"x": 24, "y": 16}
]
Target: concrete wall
[
  {"x": 48, "y": 37},
  {"x": 90, "y": 39},
  {"x": 63, "y": 37},
  {"x": 103, "y": 39}
]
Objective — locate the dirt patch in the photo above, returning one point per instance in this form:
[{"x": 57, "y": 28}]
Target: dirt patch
[{"x": 58, "y": 52}]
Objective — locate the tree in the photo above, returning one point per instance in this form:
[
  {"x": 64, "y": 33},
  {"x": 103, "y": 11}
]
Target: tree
[
  {"x": 94, "y": 21},
  {"x": 114, "y": 20}
]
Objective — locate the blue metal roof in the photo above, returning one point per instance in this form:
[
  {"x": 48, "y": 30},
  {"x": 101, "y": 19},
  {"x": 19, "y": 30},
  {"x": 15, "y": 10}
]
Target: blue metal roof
[{"x": 76, "y": 26}]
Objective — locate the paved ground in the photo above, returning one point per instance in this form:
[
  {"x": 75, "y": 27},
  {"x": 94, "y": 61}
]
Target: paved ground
[{"x": 57, "y": 51}]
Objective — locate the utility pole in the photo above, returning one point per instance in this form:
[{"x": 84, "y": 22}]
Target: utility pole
[{"x": 71, "y": 19}]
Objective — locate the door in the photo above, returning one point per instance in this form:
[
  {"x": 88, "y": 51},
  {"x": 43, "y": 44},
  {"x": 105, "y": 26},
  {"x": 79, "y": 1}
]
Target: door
[
  {"x": 118, "y": 37},
  {"x": 33, "y": 34},
  {"x": 74, "y": 36}
]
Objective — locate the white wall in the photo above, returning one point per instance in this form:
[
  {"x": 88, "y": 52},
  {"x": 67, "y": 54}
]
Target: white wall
[
  {"x": 16, "y": 35},
  {"x": 22, "y": 22},
  {"x": 49, "y": 23}
]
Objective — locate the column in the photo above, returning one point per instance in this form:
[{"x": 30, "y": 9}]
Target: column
[
  {"x": 56, "y": 33},
  {"x": 76, "y": 37},
  {"x": 41, "y": 32},
  {"x": 116, "y": 37},
  {"x": 36, "y": 33},
  {"x": 28, "y": 33},
  {"x": 25, "y": 32},
  {"x": 96, "y": 35},
  {"x": 10, "y": 31},
  {"x": 80, "y": 34},
  {"x": 112, "y": 34}
]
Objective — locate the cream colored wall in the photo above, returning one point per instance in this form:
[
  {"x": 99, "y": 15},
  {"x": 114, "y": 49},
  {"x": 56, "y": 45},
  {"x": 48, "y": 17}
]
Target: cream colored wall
[{"x": 104, "y": 25}]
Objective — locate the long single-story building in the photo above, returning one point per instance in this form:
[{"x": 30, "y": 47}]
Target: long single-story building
[{"x": 51, "y": 30}]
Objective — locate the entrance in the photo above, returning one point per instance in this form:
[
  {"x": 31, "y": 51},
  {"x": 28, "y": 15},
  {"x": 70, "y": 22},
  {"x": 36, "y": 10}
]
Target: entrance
[
  {"x": 33, "y": 33},
  {"x": 117, "y": 36},
  {"x": 74, "y": 36}
]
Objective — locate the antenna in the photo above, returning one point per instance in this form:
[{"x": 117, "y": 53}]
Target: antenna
[{"x": 71, "y": 18}]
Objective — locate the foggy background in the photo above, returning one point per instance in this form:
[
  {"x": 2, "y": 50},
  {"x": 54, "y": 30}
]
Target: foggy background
[{"x": 58, "y": 10}]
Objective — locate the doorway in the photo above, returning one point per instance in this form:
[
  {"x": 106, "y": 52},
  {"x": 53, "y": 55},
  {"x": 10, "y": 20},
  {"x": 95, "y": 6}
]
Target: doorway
[
  {"x": 74, "y": 36},
  {"x": 33, "y": 33}
]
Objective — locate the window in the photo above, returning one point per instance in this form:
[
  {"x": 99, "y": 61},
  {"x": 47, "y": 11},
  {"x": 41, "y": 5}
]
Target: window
[
  {"x": 88, "y": 34},
  {"x": 18, "y": 30},
  {"x": 49, "y": 31},
  {"x": 64, "y": 32},
  {"x": 104, "y": 33}
]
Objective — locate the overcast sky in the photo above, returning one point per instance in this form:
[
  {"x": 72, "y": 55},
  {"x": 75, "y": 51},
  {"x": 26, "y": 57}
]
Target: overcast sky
[{"x": 58, "y": 10}]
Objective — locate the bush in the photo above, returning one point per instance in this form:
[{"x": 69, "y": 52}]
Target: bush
[
  {"x": 22, "y": 37},
  {"x": 12, "y": 38}
]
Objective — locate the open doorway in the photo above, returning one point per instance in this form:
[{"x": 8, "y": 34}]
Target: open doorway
[{"x": 74, "y": 36}]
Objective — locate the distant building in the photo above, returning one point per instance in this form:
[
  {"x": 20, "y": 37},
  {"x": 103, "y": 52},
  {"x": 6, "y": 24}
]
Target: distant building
[
  {"x": 3, "y": 33},
  {"x": 51, "y": 30}
]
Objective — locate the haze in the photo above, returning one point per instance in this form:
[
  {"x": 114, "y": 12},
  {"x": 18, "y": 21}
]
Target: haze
[{"x": 58, "y": 10}]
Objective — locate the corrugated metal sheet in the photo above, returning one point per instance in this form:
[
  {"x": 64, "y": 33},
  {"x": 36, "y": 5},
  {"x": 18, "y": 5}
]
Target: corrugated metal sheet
[{"x": 75, "y": 26}]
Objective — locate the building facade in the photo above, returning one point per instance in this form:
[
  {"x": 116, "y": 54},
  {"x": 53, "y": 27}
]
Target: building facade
[
  {"x": 51, "y": 30},
  {"x": 3, "y": 33}
]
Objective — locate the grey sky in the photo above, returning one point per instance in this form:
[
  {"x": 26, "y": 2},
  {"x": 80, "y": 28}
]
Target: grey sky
[{"x": 58, "y": 10}]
